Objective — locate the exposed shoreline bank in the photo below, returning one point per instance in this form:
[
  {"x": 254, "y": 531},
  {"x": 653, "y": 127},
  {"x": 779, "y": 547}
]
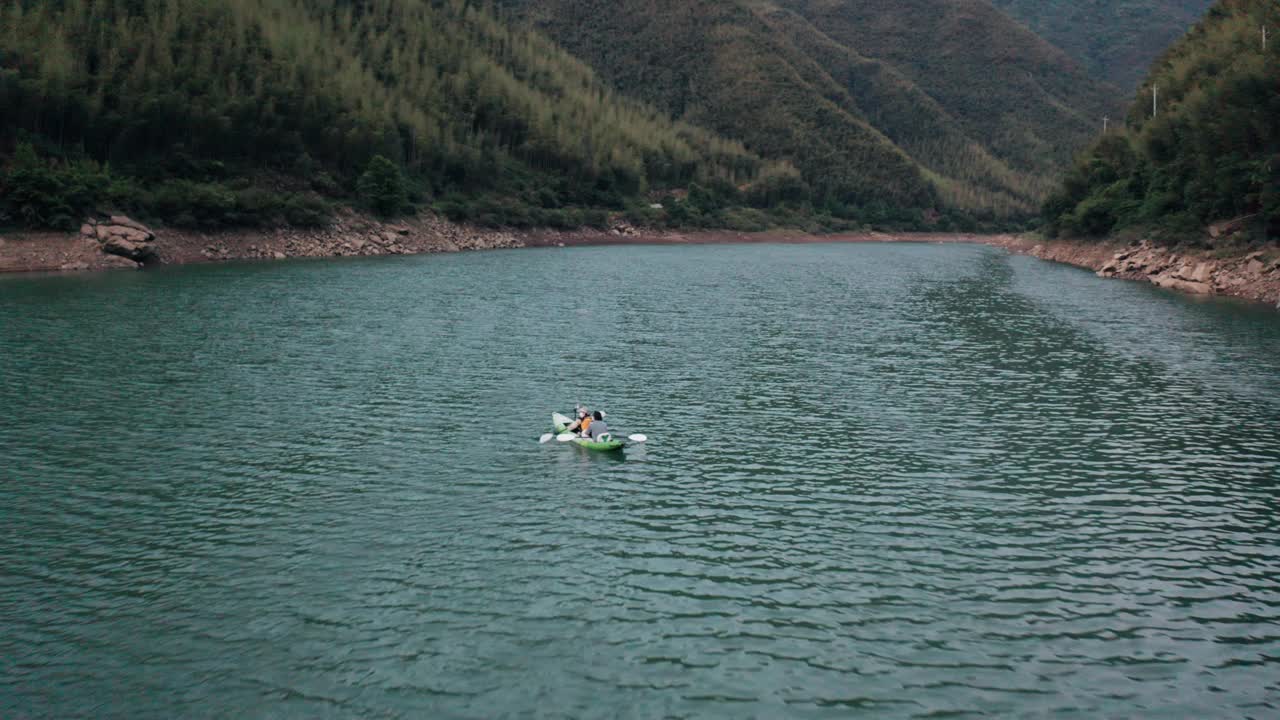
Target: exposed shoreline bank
[
  {"x": 119, "y": 243},
  {"x": 1252, "y": 276}
]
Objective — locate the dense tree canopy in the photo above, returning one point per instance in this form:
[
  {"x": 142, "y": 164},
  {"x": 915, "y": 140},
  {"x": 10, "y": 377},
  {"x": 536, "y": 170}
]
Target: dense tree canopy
[
  {"x": 212, "y": 101},
  {"x": 1211, "y": 150}
]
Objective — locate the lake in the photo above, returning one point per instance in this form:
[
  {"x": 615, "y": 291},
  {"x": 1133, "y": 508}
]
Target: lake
[{"x": 882, "y": 480}]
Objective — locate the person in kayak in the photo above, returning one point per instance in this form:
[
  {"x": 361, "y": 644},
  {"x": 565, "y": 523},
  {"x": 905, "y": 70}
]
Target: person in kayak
[
  {"x": 598, "y": 426},
  {"x": 583, "y": 422}
]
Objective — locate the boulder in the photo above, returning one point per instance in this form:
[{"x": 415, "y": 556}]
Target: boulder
[
  {"x": 1202, "y": 272},
  {"x": 124, "y": 221},
  {"x": 1187, "y": 286},
  {"x": 131, "y": 232},
  {"x": 278, "y": 255},
  {"x": 123, "y": 263},
  {"x": 123, "y": 247},
  {"x": 87, "y": 230},
  {"x": 132, "y": 235},
  {"x": 143, "y": 252}
]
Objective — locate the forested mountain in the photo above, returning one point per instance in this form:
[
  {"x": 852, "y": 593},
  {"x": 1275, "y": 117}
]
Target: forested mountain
[
  {"x": 1115, "y": 39},
  {"x": 258, "y": 110},
  {"x": 905, "y": 103},
  {"x": 1212, "y": 149}
]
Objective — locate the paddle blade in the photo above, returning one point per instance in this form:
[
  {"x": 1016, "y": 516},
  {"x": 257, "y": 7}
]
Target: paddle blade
[
  {"x": 565, "y": 437},
  {"x": 637, "y": 437},
  {"x": 546, "y": 438}
]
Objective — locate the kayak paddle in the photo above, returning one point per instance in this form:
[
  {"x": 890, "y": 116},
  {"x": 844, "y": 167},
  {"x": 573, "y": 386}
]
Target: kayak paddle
[
  {"x": 565, "y": 437},
  {"x": 637, "y": 438},
  {"x": 546, "y": 438}
]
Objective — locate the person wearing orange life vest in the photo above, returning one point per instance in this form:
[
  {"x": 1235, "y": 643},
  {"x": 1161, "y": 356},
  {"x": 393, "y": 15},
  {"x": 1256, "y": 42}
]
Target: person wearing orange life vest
[{"x": 582, "y": 423}]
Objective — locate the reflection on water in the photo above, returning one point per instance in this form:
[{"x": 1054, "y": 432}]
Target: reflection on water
[{"x": 882, "y": 480}]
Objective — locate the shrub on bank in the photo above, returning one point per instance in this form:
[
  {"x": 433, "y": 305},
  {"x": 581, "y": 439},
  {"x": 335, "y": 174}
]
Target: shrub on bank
[
  {"x": 39, "y": 193},
  {"x": 54, "y": 193}
]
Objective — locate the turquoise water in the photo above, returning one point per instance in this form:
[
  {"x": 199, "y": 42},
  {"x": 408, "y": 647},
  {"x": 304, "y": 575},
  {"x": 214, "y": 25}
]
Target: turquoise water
[{"x": 881, "y": 481}]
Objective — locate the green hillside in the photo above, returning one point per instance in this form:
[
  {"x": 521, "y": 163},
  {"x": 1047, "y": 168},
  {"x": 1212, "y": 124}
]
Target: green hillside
[
  {"x": 1211, "y": 152},
  {"x": 898, "y": 103},
  {"x": 1115, "y": 39},
  {"x": 262, "y": 111}
]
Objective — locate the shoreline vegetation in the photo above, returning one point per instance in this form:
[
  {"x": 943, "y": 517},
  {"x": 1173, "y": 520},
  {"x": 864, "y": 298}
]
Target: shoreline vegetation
[{"x": 118, "y": 242}]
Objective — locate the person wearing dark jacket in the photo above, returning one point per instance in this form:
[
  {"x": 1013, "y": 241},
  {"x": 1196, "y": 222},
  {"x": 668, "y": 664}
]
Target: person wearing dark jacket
[{"x": 598, "y": 426}]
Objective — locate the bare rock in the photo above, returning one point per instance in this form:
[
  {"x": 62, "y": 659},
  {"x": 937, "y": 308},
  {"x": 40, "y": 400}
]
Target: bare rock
[
  {"x": 122, "y": 263},
  {"x": 139, "y": 252},
  {"x": 1187, "y": 286},
  {"x": 133, "y": 235},
  {"x": 1254, "y": 266},
  {"x": 87, "y": 230},
  {"x": 123, "y": 247},
  {"x": 124, "y": 221},
  {"x": 277, "y": 255},
  {"x": 74, "y": 266},
  {"x": 1202, "y": 272}
]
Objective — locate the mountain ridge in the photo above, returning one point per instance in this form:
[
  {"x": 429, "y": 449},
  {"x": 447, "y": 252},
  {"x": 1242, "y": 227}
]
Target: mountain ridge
[
  {"x": 1116, "y": 40},
  {"x": 866, "y": 71}
]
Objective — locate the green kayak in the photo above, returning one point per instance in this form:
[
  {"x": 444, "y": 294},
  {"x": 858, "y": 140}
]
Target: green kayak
[{"x": 561, "y": 422}]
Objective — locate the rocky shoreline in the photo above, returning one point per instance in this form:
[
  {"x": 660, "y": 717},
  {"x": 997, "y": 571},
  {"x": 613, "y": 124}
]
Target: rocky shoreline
[
  {"x": 118, "y": 242},
  {"x": 1253, "y": 276}
]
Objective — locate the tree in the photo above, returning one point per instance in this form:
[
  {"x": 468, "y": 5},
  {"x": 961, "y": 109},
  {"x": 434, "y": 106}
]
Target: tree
[{"x": 382, "y": 187}]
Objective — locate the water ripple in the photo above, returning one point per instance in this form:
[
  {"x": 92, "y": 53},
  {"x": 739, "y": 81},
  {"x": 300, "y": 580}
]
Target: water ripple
[{"x": 883, "y": 481}]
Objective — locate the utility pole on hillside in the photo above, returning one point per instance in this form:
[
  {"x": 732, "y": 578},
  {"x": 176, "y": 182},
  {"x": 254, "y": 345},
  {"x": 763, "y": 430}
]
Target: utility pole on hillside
[
  {"x": 1105, "y": 121},
  {"x": 1155, "y": 97}
]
